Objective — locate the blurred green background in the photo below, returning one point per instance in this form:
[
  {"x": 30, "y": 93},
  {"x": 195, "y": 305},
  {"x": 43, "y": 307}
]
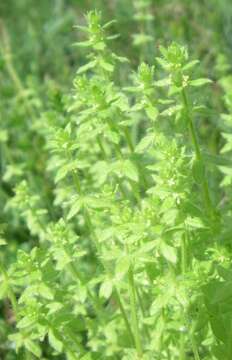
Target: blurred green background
[{"x": 38, "y": 62}]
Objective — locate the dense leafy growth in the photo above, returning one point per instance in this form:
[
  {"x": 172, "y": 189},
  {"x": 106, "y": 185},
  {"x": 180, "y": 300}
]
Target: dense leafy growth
[{"x": 116, "y": 216}]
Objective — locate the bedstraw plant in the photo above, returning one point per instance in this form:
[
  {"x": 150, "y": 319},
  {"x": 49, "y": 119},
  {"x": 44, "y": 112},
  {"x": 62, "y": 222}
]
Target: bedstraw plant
[{"x": 132, "y": 259}]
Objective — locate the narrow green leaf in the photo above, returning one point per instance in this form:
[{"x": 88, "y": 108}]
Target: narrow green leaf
[
  {"x": 54, "y": 341},
  {"x": 130, "y": 170},
  {"x": 168, "y": 252},
  {"x": 26, "y": 322},
  {"x": 109, "y": 23},
  {"x": 106, "y": 65},
  {"x": 45, "y": 291},
  {"x": 75, "y": 208},
  {"x": 152, "y": 112},
  {"x": 33, "y": 347},
  {"x": 199, "y": 82},
  {"x": 87, "y": 67},
  {"x": 122, "y": 267},
  {"x": 145, "y": 143},
  {"x": 190, "y": 65}
]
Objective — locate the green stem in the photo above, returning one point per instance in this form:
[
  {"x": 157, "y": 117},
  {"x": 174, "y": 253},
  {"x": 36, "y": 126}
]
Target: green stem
[
  {"x": 132, "y": 149},
  {"x": 78, "y": 277},
  {"x": 96, "y": 242},
  {"x": 28, "y": 355},
  {"x": 184, "y": 268},
  {"x": 194, "y": 347},
  {"x": 123, "y": 312},
  {"x": 182, "y": 348},
  {"x": 143, "y": 311},
  {"x": 125, "y": 195},
  {"x": 183, "y": 271},
  {"x": 85, "y": 210},
  {"x": 120, "y": 156},
  {"x": 183, "y": 255},
  {"x": 128, "y": 140},
  {"x": 205, "y": 187},
  {"x": 100, "y": 144},
  {"x": 134, "y": 313}
]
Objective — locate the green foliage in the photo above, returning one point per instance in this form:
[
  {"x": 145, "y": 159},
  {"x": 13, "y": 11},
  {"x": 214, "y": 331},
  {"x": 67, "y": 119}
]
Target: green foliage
[{"x": 115, "y": 238}]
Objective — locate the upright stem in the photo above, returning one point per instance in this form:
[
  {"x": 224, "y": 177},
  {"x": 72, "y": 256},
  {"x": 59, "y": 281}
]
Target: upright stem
[
  {"x": 182, "y": 348},
  {"x": 205, "y": 187},
  {"x": 184, "y": 268},
  {"x": 194, "y": 347},
  {"x": 128, "y": 139},
  {"x": 183, "y": 255},
  {"x": 78, "y": 277},
  {"x": 134, "y": 313},
  {"x": 183, "y": 271},
  {"x": 96, "y": 242},
  {"x": 132, "y": 150},
  {"x": 28, "y": 355},
  {"x": 121, "y": 157},
  {"x": 118, "y": 151},
  {"x": 121, "y": 307}
]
